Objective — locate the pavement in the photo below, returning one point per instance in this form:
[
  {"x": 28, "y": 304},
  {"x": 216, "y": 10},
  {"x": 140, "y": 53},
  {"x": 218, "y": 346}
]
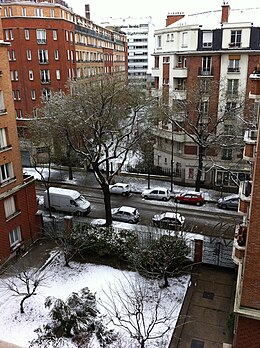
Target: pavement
[{"x": 206, "y": 309}]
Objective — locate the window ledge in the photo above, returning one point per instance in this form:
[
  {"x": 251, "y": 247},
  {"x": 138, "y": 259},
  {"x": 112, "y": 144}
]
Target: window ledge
[
  {"x": 7, "y": 182},
  {"x": 5, "y": 148},
  {"x": 16, "y": 213}
]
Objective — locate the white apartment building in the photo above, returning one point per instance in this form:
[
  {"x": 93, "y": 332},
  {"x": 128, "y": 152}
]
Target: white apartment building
[
  {"x": 192, "y": 52},
  {"x": 140, "y": 37}
]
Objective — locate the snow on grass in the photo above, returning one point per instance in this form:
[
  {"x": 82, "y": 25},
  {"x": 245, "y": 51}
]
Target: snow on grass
[{"x": 61, "y": 282}]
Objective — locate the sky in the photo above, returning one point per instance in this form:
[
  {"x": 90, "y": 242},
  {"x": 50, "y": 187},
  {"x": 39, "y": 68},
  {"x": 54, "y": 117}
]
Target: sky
[{"x": 100, "y": 9}]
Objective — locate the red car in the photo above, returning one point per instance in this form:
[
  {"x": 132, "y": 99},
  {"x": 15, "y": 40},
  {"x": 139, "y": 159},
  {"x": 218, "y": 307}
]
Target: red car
[{"x": 190, "y": 197}]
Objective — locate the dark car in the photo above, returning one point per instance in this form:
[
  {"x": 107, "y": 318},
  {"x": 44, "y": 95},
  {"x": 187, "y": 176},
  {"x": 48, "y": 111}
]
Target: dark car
[
  {"x": 229, "y": 202},
  {"x": 190, "y": 197},
  {"x": 169, "y": 220}
]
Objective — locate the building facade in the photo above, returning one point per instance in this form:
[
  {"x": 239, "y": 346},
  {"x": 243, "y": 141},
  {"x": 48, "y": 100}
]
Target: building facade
[
  {"x": 49, "y": 46},
  {"x": 140, "y": 39},
  {"x": 203, "y": 63},
  {"x": 19, "y": 220},
  {"x": 246, "y": 247}
]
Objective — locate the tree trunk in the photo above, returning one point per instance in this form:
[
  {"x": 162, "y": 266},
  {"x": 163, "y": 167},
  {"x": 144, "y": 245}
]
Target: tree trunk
[
  {"x": 70, "y": 173},
  {"x": 166, "y": 282},
  {"x": 107, "y": 202},
  {"x": 200, "y": 168}
]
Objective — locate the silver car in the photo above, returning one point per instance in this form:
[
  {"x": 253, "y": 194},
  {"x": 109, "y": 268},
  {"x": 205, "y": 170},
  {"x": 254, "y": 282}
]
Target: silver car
[
  {"x": 120, "y": 189},
  {"x": 126, "y": 214}
]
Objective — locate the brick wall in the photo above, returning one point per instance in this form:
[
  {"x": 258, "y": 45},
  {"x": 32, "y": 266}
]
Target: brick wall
[{"x": 248, "y": 333}]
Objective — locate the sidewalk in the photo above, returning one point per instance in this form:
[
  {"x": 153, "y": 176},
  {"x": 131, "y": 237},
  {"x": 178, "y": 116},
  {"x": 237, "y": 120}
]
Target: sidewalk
[{"x": 209, "y": 301}]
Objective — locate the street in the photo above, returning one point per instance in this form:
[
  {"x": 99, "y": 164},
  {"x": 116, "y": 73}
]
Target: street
[{"x": 207, "y": 219}]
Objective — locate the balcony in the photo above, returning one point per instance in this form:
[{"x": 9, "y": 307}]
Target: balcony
[
  {"x": 239, "y": 243},
  {"x": 245, "y": 189},
  {"x": 236, "y": 44},
  {"x": 255, "y": 75},
  {"x": 233, "y": 70},
  {"x": 250, "y": 136},
  {"x": 206, "y": 72},
  {"x": 179, "y": 72},
  {"x": 179, "y": 94},
  {"x": 249, "y": 153}
]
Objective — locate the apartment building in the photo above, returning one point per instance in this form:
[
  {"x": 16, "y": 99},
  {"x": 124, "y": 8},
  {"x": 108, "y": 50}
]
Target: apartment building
[
  {"x": 203, "y": 62},
  {"x": 19, "y": 220},
  {"x": 140, "y": 40},
  {"x": 246, "y": 247},
  {"x": 49, "y": 46}
]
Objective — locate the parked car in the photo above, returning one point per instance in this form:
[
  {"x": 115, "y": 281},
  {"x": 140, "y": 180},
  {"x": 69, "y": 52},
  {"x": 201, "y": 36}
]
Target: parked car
[
  {"x": 120, "y": 189},
  {"x": 159, "y": 193},
  {"x": 229, "y": 202},
  {"x": 190, "y": 197},
  {"x": 169, "y": 220},
  {"x": 126, "y": 214},
  {"x": 66, "y": 200}
]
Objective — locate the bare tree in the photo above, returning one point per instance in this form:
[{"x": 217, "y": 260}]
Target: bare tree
[
  {"x": 25, "y": 283},
  {"x": 135, "y": 307},
  {"x": 210, "y": 116},
  {"x": 102, "y": 123}
]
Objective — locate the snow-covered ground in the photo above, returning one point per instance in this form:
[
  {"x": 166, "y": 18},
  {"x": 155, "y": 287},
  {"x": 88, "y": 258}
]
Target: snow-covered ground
[{"x": 62, "y": 281}]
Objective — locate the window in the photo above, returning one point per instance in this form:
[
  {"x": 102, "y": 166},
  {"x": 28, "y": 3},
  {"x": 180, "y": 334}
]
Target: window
[
  {"x": 67, "y": 35},
  {"x": 206, "y": 65},
  {"x": 9, "y": 205},
  {"x": 46, "y": 94},
  {"x": 56, "y": 54},
  {"x": 9, "y": 34},
  {"x": 68, "y": 54},
  {"x": 184, "y": 39},
  {"x": 3, "y": 140},
  {"x": 2, "y": 104},
  {"x": 232, "y": 87},
  {"x": 227, "y": 154},
  {"x": 38, "y": 12},
  {"x": 15, "y": 236},
  {"x": 45, "y": 76},
  {"x": 58, "y": 74},
  {"x": 235, "y": 40},
  {"x": 6, "y": 172},
  {"x": 207, "y": 38},
  {"x": 30, "y": 75},
  {"x": 204, "y": 85},
  {"x": 233, "y": 64},
  {"x": 16, "y": 77},
  {"x": 54, "y": 34},
  {"x": 43, "y": 56},
  {"x": 52, "y": 12},
  {"x": 204, "y": 107},
  {"x": 33, "y": 94},
  {"x": 41, "y": 36},
  {"x": 24, "y": 11},
  {"x": 159, "y": 41},
  {"x": 26, "y": 34},
  {"x": 29, "y": 54}
]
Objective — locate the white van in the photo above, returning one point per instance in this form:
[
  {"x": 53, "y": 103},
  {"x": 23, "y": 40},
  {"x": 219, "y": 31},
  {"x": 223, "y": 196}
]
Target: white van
[{"x": 70, "y": 201}]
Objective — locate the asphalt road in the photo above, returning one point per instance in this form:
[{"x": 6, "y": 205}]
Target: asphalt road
[{"x": 206, "y": 220}]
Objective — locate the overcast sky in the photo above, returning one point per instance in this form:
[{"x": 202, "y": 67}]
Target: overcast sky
[{"x": 158, "y": 10}]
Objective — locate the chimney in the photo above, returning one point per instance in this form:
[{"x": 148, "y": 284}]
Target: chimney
[
  {"x": 174, "y": 17},
  {"x": 87, "y": 12},
  {"x": 225, "y": 12}
]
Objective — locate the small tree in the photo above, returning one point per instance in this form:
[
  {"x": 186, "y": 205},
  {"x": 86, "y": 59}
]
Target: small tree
[
  {"x": 162, "y": 258},
  {"x": 25, "y": 283},
  {"x": 77, "y": 318},
  {"x": 137, "y": 309}
]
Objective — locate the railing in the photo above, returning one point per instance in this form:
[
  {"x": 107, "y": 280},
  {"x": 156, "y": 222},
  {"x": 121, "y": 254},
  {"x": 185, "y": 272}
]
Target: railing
[
  {"x": 205, "y": 72},
  {"x": 233, "y": 70}
]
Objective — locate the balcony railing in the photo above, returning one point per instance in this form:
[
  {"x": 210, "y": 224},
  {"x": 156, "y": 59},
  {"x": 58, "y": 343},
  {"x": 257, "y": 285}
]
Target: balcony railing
[
  {"x": 233, "y": 70},
  {"x": 205, "y": 72},
  {"x": 234, "y": 44}
]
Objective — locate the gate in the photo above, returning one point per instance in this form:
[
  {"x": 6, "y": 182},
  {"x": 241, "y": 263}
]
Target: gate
[{"x": 217, "y": 251}]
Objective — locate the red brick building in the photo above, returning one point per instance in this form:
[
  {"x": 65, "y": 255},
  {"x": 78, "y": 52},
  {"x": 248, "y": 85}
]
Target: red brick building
[
  {"x": 49, "y": 46},
  {"x": 19, "y": 222},
  {"x": 246, "y": 250}
]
